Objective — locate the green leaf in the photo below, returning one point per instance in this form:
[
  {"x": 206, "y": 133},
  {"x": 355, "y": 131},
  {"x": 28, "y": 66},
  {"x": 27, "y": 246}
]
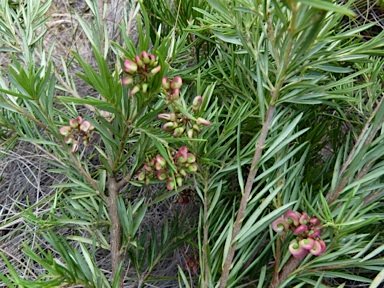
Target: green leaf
[{"x": 327, "y": 6}]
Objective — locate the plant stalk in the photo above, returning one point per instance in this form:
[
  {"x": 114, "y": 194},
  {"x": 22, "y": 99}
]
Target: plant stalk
[
  {"x": 247, "y": 191},
  {"x": 115, "y": 230}
]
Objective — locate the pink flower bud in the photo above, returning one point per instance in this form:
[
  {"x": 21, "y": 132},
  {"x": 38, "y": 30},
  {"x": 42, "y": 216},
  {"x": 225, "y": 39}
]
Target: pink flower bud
[
  {"x": 127, "y": 80},
  {"x": 145, "y": 57},
  {"x": 170, "y": 184},
  {"x": 165, "y": 83},
  {"x": 156, "y": 70},
  {"x": 301, "y": 229},
  {"x": 201, "y": 121},
  {"x": 74, "y": 123},
  {"x": 134, "y": 90},
  {"x": 130, "y": 66},
  {"x": 304, "y": 218},
  {"x": 318, "y": 248},
  {"x": 176, "y": 82},
  {"x": 75, "y": 146},
  {"x": 280, "y": 225},
  {"x": 307, "y": 244},
  {"x": 314, "y": 233},
  {"x": 164, "y": 116},
  {"x": 69, "y": 139},
  {"x": 191, "y": 158},
  {"x": 296, "y": 250},
  {"x": 65, "y": 130},
  {"x": 175, "y": 94},
  {"x": 161, "y": 175},
  {"x": 192, "y": 168},
  {"x": 291, "y": 217},
  {"x": 138, "y": 61},
  {"x": 178, "y": 132},
  {"x": 160, "y": 160},
  {"x": 148, "y": 167},
  {"x": 314, "y": 221},
  {"x": 85, "y": 126},
  {"x": 152, "y": 59},
  {"x": 141, "y": 176}
]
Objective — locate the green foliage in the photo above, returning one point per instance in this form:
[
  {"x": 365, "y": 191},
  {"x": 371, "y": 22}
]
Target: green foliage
[{"x": 293, "y": 92}]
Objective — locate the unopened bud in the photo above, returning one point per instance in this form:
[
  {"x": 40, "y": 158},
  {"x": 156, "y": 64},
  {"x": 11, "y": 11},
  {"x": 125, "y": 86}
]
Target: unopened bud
[
  {"x": 161, "y": 175},
  {"x": 75, "y": 146},
  {"x": 169, "y": 126},
  {"x": 191, "y": 158},
  {"x": 192, "y": 168},
  {"x": 65, "y": 130},
  {"x": 127, "y": 80},
  {"x": 134, "y": 90},
  {"x": 141, "y": 176},
  {"x": 190, "y": 133},
  {"x": 156, "y": 70},
  {"x": 144, "y": 87},
  {"x": 138, "y": 61},
  {"x": 164, "y": 116},
  {"x": 176, "y": 82},
  {"x": 130, "y": 66},
  {"x": 145, "y": 57},
  {"x": 201, "y": 121},
  {"x": 197, "y": 103},
  {"x": 165, "y": 83},
  {"x": 182, "y": 172},
  {"x": 175, "y": 94},
  {"x": 85, "y": 126},
  {"x": 179, "y": 181},
  {"x": 178, "y": 132},
  {"x": 170, "y": 184},
  {"x": 196, "y": 128},
  {"x": 152, "y": 59}
]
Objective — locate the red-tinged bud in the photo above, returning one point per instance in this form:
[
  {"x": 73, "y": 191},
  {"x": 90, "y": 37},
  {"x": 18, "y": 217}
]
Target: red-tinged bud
[
  {"x": 134, "y": 90},
  {"x": 65, "y": 130},
  {"x": 74, "y": 123},
  {"x": 144, "y": 87},
  {"x": 314, "y": 221},
  {"x": 85, "y": 126},
  {"x": 165, "y": 83},
  {"x": 141, "y": 176},
  {"x": 148, "y": 167},
  {"x": 314, "y": 233},
  {"x": 170, "y": 184},
  {"x": 201, "y": 121},
  {"x": 196, "y": 128},
  {"x": 156, "y": 70},
  {"x": 317, "y": 248},
  {"x": 75, "y": 146},
  {"x": 152, "y": 162},
  {"x": 304, "y": 219},
  {"x": 152, "y": 59},
  {"x": 130, "y": 66},
  {"x": 301, "y": 229},
  {"x": 138, "y": 61},
  {"x": 280, "y": 225},
  {"x": 296, "y": 250},
  {"x": 191, "y": 158},
  {"x": 176, "y": 82},
  {"x": 127, "y": 80},
  {"x": 292, "y": 217},
  {"x": 197, "y": 103},
  {"x": 175, "y": 94},
  {"x": 160, "y": 160},
  {"x": 164, "y": 116},
  {"x": 192, "y": 168},
  {"x": 178, "y": 131},
  {"x": 323, "y": 246},
  {"x": 190, "y": 133},
  {"x": 182, "y": 172},
  {"x": 145, "y": 57},
  {"x": 179, "y": 181},
  {"x": 307, "y": 244},
  {"x": 161, "y": 175}
]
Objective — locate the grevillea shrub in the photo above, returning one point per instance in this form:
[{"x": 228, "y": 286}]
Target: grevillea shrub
[{"x": 262, "y": 118}]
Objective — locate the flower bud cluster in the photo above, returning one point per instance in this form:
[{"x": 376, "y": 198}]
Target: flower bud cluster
[
  {"x": 192, "y": 263},
  {"x": 307, "y": 231},
  {"x": 140, "y": 72},
  {"x": 184, "y": 161},
  {"x": 79, "y": 131},
  {"x": 176, "y": 122}
]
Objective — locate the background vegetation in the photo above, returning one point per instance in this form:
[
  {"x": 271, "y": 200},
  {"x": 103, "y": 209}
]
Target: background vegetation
[{"x": 293, "y": 93}]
